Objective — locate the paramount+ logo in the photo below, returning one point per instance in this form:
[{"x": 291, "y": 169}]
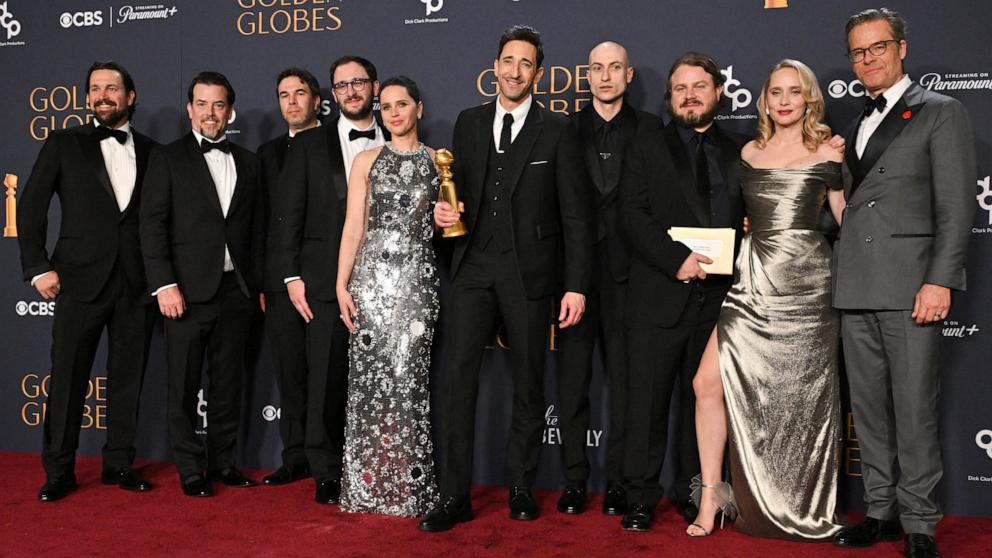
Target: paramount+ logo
[{"x": 35, "y": 308}]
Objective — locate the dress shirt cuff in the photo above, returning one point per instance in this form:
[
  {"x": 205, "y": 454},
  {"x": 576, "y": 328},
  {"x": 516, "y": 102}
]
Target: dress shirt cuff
[
  {"x": 289, "y": 280},
  {"x": 39, "y": 276},
  {"x": 160, "y": 289}
]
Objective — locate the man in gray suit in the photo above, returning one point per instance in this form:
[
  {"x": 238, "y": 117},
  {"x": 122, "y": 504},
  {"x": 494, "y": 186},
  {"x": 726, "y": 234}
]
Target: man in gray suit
[{"x": 909, "y": 177}]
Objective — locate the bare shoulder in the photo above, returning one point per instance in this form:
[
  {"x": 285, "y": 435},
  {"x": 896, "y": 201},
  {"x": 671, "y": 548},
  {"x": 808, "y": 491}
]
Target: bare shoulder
[
  {"x": 430, "y": 151},
  {"x": 749, "y": 150},
  {"x": 827, "y": 153}
]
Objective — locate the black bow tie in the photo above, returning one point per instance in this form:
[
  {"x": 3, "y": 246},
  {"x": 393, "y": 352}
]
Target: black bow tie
[
  {"x": 103, "y": 132},
  {"x": 878, "y": 103},
  {"x": 354, "y": 134},
  {"x": 222, "y": 145}
]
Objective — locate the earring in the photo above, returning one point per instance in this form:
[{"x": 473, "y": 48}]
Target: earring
[
  {"x": 807, "y": 111},
  {"x": 767, "y": 112}
]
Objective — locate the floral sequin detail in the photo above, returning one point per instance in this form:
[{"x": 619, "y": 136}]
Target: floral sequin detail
[{"x": 388, "y": 462}]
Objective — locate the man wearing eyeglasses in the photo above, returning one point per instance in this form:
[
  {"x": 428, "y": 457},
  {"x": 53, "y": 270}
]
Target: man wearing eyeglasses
[
  {"x": 305, "y": 231},
  {"x": 604, "y": 129},
  {"x": 909, "y": 176}
]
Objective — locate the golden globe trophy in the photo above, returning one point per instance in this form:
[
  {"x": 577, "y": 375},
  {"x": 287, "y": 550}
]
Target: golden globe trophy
[
  {"x": 443, "y": 159},
  {"x": 10, "y": 229}
]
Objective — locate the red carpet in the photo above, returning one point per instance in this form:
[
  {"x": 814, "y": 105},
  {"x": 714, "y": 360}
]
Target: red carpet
[{"x": 284, "y": 521}]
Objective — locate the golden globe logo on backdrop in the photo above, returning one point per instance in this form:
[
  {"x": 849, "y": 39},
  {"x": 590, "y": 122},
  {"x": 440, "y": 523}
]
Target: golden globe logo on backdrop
[
  {"x": 35, "y": 389},
  {"x": 279, "y": 17},
  {"x": 56, "y": 107},
  {"x": 562, "y": 89}
]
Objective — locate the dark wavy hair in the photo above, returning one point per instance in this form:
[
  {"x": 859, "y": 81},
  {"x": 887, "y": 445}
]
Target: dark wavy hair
[
  {"x": 522, "y": 33},
  {"x": 211, "y": 78},
  {"x": 304, "y": 76},
  {"x": 125, "y": 77}
]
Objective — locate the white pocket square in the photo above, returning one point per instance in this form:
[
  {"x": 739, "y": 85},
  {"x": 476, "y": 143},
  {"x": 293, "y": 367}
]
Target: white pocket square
[{"x": 537, "y": 163}]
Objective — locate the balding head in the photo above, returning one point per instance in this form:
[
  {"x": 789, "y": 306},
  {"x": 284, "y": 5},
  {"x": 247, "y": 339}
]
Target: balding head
[{"x": 609, "y": 72}]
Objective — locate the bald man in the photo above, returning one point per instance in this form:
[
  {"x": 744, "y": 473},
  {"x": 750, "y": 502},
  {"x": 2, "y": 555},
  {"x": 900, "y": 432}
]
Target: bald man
[{"x": 604, "y": 128}]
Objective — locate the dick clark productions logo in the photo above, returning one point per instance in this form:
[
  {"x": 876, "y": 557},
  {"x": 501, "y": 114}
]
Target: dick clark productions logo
[{"x": 984, "y": 441}]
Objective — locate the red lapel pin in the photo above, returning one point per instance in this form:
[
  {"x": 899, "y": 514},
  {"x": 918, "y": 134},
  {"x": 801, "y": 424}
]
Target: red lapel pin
[{"x": 907, "y": 115}]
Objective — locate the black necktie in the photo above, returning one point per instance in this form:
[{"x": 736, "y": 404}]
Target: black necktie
[
  {"x": 606, "y": 140},
  {"x": 222, "y": 145},
  {"x": 506, "y": 134},
  {"x": 354, "y": 134},
  {"x": 871, "y": 105},
  {"x": 103, "y": 132},
  {"x": 702, "y": 171}
]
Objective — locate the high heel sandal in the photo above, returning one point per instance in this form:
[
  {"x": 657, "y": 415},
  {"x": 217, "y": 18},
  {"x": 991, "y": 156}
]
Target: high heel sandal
[{"x": 727, "y": 505}]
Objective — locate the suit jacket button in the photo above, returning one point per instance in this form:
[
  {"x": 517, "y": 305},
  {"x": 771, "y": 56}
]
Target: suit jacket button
[
  {"x": 881, "y": 170},
  {"x": 868, "y": 239},
  {"x": 871, "y": 203}
]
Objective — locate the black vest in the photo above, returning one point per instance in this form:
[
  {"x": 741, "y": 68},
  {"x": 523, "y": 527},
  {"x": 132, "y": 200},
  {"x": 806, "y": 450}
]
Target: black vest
[{"x": 494, "y": 212}]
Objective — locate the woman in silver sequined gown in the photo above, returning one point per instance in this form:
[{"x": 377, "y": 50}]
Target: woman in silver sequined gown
[
  {"x": 388, "y": 293},
  {"x": 773, "y": 358}
]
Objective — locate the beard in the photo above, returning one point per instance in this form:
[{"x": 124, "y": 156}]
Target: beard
[
  {"x": 362, "y": 113},
  {"x": 113, "y": 119},
  {"x": 702, "y": 116}
]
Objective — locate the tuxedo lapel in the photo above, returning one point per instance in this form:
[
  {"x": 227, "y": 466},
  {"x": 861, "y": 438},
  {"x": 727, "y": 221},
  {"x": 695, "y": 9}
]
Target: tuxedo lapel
[
  {"x": 142, "y": 147},
  {"x": 687, "y": 182},
  {"x": 241, "y": 169},
  {"x": 851, "y": 156},
  {"x": 730, "y": 162},
  {"x": 483, "y": 144},
  {"x": 521, "y": 147},
  {"x": 589, "y": 151},
  {"x": 201, "y": 172},
  {"x": 94, "y": 157},
  {"x": 338, "y": 174},
  {"x": 890, "y": 128}
]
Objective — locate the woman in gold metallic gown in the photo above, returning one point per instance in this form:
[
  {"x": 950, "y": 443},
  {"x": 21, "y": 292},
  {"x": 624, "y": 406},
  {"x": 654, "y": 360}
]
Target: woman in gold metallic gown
[{"x": 769, "y": 371}]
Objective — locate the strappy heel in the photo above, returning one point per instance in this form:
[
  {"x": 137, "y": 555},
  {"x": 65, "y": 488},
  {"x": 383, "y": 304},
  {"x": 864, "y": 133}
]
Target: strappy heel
[{"x": 727, "y": 505}]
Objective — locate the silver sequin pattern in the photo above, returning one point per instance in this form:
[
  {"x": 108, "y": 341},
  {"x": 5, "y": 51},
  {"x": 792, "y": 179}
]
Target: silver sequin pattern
[{"x": 388, "y": 462}]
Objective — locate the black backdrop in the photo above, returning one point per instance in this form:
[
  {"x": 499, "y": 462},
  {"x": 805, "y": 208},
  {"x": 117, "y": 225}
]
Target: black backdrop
[{"x": 448, "y": 48}]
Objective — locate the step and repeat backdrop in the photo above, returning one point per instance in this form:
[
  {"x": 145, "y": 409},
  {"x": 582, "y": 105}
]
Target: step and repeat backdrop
[{"x": 448, "y": 47}]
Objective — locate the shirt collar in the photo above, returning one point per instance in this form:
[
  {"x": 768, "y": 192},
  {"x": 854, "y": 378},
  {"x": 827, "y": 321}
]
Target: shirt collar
[
  {"x": 125, "y": 127},
  {"x": 345, "y": 125},
  {"x": 199, "y": 138},
  {"x": 894, "y": 93},
  {"x": 519, "y": 113},
  {"x": 686, "y": 133},
  {"x": 292, "y": 133}
]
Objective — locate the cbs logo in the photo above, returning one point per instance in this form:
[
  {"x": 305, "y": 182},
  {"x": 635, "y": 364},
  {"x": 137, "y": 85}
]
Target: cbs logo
[
  {"x": 35, "y": 308},
  {"x": 839, "y": 88},
  {"x": 271, "y": 413},
  {"x": 81, "y": 19}
]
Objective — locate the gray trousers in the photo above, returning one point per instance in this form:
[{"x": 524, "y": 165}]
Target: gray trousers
[{"x": 895, "y": 385}]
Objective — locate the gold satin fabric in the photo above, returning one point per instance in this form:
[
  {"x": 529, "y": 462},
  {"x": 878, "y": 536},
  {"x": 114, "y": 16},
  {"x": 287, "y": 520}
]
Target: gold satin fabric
[{"x": 778, "y": 337}]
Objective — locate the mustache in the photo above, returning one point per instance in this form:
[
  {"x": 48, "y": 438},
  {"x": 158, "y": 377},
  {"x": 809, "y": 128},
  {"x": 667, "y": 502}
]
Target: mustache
[
  {"x": 104, "y": 102},
  {"x": 691, "y": 103}
]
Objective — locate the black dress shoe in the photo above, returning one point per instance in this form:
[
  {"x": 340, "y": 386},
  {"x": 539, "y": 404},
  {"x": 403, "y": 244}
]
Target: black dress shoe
[
  {"x": 448, "y": 513},
  {"x": 57, "y": 488},
  {"x": 868, "y": 532},
  {"x": 573, "y": 498},
  {"x": 126, "y": 478},
  {"x": 286, "y": 475},
  {"x": 919, "y": 545},
  {"x": 197, "y": 486},
  {"x": 615, "y": 499},
  {"x": 232, "y": 477},
  {"x": 638, "y": 518},
  {"x": 328, "y": 492},
  {"x": 522, "y": 504},
  {"x": 688, "y": 510}
]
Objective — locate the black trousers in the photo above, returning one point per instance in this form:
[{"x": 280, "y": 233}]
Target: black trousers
[
  {"x": 486, "y": 287},
  {"x": 603, "y": 320},
  {"x": 288, "y": 338},
  {"x": 659, "y": 356},
  {"x": 75, "y": 337},
  {"x": 327, "y": 390},
  {"x": 218, "y": 330}
]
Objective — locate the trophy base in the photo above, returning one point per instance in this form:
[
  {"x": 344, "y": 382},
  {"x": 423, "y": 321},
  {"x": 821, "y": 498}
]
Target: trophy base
[
  {"x": 458, "y": 229},
  {"x": 10, "y": 232}
]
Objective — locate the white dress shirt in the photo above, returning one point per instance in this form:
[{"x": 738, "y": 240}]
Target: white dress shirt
[
  {"x": 871, "y": 122},
  {"x": 351, "y": 149},
  {"x": 519, "y": 116},
  {"x": 224, "y": 173}
]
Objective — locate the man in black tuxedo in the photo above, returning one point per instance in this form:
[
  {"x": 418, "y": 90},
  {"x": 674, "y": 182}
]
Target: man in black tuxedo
[
  {"x": 528, "y": 209},
  {"x": 306, "y": 223},
  {"x": 201, "y": 236},
  {"x": 299, "y": 97},
  {"x": 687, "y": 176},
  {"x": 94, "y": 274},
  {"x": 604, "y": 128}
]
